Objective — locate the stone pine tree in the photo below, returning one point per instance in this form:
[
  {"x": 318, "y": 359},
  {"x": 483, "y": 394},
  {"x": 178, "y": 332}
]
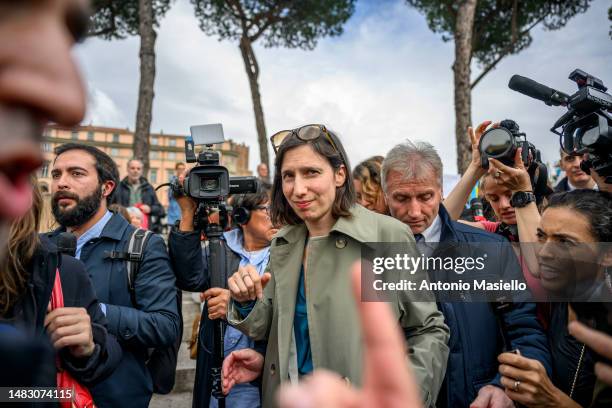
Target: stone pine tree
[
  {"x": 285, "y": 23},
  {"x": 488, "y": 30},
  {"x": 118, "y": 19}
]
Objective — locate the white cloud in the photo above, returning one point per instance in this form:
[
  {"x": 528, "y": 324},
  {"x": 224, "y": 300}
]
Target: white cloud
[{"x": 101, "y": 109}]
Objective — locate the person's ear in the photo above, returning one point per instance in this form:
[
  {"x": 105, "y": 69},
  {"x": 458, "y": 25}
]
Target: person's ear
[
  {"x": 340, "y": 176},
  {"x": 107, "y": 188}
]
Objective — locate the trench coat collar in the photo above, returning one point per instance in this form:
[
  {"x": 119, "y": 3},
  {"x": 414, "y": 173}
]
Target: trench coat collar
[{"x": 358, "y": 226}]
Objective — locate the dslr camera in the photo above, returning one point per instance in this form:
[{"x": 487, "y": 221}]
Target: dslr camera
[
  {"x": 587, "y": 125},
  {"x": 502, "y": 142}
]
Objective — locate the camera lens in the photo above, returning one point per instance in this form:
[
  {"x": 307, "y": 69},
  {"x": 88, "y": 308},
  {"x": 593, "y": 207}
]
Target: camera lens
[
  {"x": 496, "y": 142},
  {"x": 210, "y": 184}
]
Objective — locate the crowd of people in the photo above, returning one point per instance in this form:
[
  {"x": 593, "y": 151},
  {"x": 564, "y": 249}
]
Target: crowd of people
[{"x": 95, "y": 302}]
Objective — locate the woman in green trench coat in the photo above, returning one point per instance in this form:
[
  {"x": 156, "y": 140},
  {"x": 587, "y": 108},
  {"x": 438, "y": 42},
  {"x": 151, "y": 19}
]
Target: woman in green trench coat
[{"x": 303, "y": 305}]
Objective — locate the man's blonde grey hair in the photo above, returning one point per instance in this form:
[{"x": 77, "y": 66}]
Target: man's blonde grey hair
[{"x": 414, "y": 160}]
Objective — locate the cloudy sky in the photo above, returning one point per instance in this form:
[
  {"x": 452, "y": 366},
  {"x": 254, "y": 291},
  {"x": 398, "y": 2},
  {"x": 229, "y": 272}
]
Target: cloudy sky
[{"x": 387, "y": 78}]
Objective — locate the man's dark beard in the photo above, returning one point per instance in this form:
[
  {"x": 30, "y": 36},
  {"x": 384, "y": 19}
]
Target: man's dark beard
[{"x": 84, "y": 209}]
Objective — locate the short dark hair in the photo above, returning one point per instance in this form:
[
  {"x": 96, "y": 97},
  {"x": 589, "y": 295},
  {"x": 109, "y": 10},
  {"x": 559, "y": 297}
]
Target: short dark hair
[
  {"x": 250, "y": 201},
  {"x": 595, "y": 205},
  {"x": 105, "y": 166},
  {"x": 281, "y": 211}
]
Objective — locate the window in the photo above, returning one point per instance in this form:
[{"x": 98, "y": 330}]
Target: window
[
  {"x": 47, "y": 132},
  {"x": 153, "y": 176},
  {"x": 171, "y": 156},
  {"x": 169, "y": 174},
  {"x": 154, "y": 141},
  {"x": 90, "y": 135},
  {"x": 172, "y": 142},
  {"x": 114, "y": 152},
  {"x": 154, "y": 155},
  {"x": 46, "y": 147},
  {"x": 75, "y": 135},
  {"x": 115, "y": 137},
  {"x": 44, "y": 169}
]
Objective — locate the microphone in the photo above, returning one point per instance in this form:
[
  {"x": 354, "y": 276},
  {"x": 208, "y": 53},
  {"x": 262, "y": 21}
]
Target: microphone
[
  {"x": 67, "y": 243},
  {"x": 477, "y": 209},
  {"x": 538, "y": 91}
]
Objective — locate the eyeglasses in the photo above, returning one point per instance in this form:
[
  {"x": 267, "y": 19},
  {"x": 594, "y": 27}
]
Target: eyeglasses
[
  {"x": 263, "y": 207},
  {"x": 305, "y": 133}
]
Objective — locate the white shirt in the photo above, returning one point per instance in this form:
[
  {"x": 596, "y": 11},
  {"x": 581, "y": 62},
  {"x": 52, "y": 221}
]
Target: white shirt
[{"x": 434, "y": 231}]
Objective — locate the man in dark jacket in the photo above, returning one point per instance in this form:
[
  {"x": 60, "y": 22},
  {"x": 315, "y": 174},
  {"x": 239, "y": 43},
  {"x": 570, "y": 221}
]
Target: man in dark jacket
[
  {"x": 135, "y": 190},
  {"x": 83, "y": 181},
  {"x": 412, "y": 181},
  {"x": 574, "y": 176}
]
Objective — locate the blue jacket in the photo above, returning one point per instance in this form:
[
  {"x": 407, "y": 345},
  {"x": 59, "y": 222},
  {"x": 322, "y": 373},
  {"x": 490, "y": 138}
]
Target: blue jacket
[
  {"x": 153, "y": 322},
  {"x": 475, "y": 333}
]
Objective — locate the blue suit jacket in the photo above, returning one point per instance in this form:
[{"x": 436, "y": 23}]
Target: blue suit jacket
[
  {"x": 153, "y": 322},
  {"x": 475, "y": 333}
]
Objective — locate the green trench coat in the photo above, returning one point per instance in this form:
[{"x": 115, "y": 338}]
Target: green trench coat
[{"x": 333, "y": 322}]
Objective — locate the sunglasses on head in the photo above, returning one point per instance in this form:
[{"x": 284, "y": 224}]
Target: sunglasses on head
[{"x": 305, "y": 133}]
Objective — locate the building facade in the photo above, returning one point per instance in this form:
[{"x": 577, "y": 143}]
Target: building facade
[{"x": 165, "y": 152}]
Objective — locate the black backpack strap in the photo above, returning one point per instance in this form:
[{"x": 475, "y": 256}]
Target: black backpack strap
[
  {"x": 133, "y": 255},
  {"x": 135, "y": 249}
]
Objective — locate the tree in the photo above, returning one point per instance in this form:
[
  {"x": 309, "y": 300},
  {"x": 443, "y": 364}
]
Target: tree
[
  {"x": 117, "y": 20},
  {"x": 286, "y": 23},
  {"x": 488, "y": 30}
]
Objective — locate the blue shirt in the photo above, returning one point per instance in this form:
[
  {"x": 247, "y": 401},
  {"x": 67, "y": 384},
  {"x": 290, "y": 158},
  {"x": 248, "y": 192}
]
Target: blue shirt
[
  {"x": 174, "y": 211},
  {"x": 301, "y": 331},
  {"x": 242, "y": 395},
  {"x": 93, "y": 232}
]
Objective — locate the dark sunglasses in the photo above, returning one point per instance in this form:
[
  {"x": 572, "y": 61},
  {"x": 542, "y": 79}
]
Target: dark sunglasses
[{"x": 305, "y": 133}]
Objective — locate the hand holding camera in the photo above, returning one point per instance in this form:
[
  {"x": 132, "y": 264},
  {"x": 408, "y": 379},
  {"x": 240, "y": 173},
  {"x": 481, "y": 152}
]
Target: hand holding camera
[{"x": 515, "y": 178}]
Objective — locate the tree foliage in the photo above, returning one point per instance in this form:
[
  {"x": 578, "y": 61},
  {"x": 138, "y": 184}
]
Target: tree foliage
[
  {"x": 501, "y": 27},
  {"x": 118, "y": 19},
  {"x": 279, "y": 23}
]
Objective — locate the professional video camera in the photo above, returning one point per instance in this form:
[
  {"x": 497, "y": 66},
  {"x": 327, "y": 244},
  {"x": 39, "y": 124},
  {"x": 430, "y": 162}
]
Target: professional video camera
[
  {"x": 587, "y": 125},
  {"x": 502, "y": 142},
  {"x": 209, "y": 183}
]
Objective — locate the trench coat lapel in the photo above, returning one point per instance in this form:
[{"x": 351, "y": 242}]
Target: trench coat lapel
[{"x": 286, "y": 257}]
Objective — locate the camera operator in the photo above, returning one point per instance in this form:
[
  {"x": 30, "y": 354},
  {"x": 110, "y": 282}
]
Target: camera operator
[
  {"x": 247, "y": 248},
  {"x": 575, "y": 177},
  {"x": 568, "y": 256}
]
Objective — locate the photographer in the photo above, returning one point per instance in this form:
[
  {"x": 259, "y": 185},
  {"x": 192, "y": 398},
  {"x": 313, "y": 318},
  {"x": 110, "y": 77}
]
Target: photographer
[
  {"x": 247, "y": 246},
  {"x": 568, "y": 259},
  {"x": 517, "y": 220}
]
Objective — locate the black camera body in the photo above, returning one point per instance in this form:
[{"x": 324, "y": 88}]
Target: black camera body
[
  {"x": 502, "y": 142},
  {"x": 587, "y": 125},
  {"x": 209, "y": 182}
]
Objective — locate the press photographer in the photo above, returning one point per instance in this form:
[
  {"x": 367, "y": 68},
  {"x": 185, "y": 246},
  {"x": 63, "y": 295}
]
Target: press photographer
[
  {"x": 245, "y": 248},
  {"x": 512, "y": 180}
]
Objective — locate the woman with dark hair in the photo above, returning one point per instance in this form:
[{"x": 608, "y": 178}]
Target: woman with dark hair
[
  {"x": 77, "y": 331},
  {"x": 569, "y": 257},
  {"x": 303, "y": 304},
  {"x": 366, "y": 179}
]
